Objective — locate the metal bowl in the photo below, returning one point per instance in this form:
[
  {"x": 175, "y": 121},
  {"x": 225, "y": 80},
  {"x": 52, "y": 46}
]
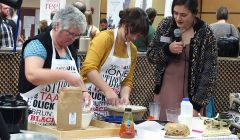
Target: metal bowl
[{"x": 31, "y": 136}]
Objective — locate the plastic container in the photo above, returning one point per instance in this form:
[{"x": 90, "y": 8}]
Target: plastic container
[
  {"x": 186, "y": 114},
  {"x": 186, "y": 107},
  {"x": 127, "y": 127}
]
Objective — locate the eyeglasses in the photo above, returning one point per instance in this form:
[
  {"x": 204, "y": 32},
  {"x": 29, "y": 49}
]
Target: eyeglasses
[{"x": 73, "y": 34}]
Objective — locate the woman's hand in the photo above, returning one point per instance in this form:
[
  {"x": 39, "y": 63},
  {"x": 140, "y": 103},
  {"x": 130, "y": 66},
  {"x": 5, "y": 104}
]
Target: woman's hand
[
  {"x": 176, "y": 47},
  {"x": 195, "y": 112},
  {"x": 73, "y": 80},
  {"x": 124, "y": 101},
  {"x": 125, "y": 93},
  {"x": 112, "y": 97}
]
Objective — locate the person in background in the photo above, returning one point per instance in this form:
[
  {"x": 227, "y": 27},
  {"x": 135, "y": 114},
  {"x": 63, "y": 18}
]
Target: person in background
[
  {"x": 111, "y": 59},
  {"x": 238, "y": 27},
  {"x": 103, "y": 24},
  {"x": 13, "y": 16},
  {"x": 81, "y": 6},
  {"x": 152, "y": 13},
  {"x": 186, "y": 66},
  {"x": 91, "y": 30},
  {"x": 52, "y": 14},
  {"x": 6, "y": 28},
  {"x": 143, "y": 42},
  {"x": 49, "y": 27},
  {"x": 43, "y": 25},
  {"x": 48, "y": 63},
  {"x": 4, "y": 134},
  {"x": 221, "y": 28}
]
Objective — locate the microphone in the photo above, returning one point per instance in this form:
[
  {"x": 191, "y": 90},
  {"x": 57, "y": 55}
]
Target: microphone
[{"x": 177, "y": 34}]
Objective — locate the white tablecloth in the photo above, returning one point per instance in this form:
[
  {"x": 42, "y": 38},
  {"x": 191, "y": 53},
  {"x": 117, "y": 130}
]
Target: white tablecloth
[
  {"x": 149, "y": 135},
  {"x": 151, "y": 130}
]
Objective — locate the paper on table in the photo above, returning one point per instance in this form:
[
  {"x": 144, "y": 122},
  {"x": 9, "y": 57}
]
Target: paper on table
[
  {"x": 149, "y": 130},
  {"x": 150, "y": 126}
]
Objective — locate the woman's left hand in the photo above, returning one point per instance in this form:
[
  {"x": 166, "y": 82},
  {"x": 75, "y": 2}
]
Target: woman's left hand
[
  {"x": 124, "y": 101},
  {"x": 124, "y": 94},
  {"x": 195, "y": 112}
]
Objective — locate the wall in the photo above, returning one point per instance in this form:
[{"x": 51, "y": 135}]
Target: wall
[{"x": 31, "y": 3}]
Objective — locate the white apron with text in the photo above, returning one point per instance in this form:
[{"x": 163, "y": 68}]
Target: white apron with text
[
  {"x": 42, "y": 99},
  {"x": 113, "y": 71}
]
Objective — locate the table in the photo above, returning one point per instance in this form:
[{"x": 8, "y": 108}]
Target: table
[
  {"x": 147, "y": 135},
  {"x": 151, "y": 130}
]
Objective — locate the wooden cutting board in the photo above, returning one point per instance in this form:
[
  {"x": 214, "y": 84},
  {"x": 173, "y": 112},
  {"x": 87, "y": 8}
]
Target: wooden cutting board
[{"x": 96, "y": 129}]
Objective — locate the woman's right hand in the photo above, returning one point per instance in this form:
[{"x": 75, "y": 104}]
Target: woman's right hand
[
  {"x": 176, "y": 47},
  {"x": 112, "y": 97},
  {"x": 73, "y": 80}
]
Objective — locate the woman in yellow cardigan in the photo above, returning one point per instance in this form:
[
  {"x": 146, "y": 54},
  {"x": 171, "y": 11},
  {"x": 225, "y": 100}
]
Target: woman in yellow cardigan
[{"x": 110, "y": 62}]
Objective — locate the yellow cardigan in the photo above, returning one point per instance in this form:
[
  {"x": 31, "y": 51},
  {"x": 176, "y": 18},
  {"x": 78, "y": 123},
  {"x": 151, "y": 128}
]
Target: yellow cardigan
[{"x": 99, "y": 50}]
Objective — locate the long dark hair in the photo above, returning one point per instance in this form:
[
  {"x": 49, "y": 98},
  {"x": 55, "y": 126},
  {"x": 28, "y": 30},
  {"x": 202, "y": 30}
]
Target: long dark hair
[
  {"x": 135, "y": 20},
  {"x": 192, "y": 5}
]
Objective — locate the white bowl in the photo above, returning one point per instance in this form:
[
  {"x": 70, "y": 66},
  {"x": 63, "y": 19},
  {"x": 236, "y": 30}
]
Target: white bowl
[{"x": 86, "y": 119}]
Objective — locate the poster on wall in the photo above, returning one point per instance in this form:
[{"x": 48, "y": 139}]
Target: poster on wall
[
  {"x": 144, "y": 4},
  {"x": 113, "y": 9},
  {"x": 47, "y": 6},
  {"x": 168, "y": 8}
]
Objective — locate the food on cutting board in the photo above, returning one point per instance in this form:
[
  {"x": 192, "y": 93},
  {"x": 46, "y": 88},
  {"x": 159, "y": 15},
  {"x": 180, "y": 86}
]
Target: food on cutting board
[
  {"x": 176, "y": 129},
  {"x": 216, "y": 127}
]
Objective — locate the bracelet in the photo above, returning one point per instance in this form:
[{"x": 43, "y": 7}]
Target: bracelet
[{"x": 85, "y": 91}]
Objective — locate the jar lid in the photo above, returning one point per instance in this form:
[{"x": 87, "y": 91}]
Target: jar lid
[{"x": 185, "y": 99}]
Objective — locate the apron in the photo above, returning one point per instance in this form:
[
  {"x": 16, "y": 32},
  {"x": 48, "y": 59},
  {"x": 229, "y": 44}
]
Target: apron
[
  {"x": 113, "y": 71},
  {"x": 43, "y": 99}
]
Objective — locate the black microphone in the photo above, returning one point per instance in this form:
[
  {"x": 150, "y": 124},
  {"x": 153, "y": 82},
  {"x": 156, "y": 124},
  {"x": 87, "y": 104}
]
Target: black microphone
[{"x": 177, "y": 34}]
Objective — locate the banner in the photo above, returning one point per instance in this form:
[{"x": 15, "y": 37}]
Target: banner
[
  {"x": 144, "y": 4},
  {"x": 47, "y": 6},
  {"x": 113, "y": 9}
]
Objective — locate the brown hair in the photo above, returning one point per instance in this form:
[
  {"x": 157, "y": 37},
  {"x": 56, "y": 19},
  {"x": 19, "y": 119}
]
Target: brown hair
[
  {"x": 43, "y": 25},
  {"x": 135, "y": 20}
]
